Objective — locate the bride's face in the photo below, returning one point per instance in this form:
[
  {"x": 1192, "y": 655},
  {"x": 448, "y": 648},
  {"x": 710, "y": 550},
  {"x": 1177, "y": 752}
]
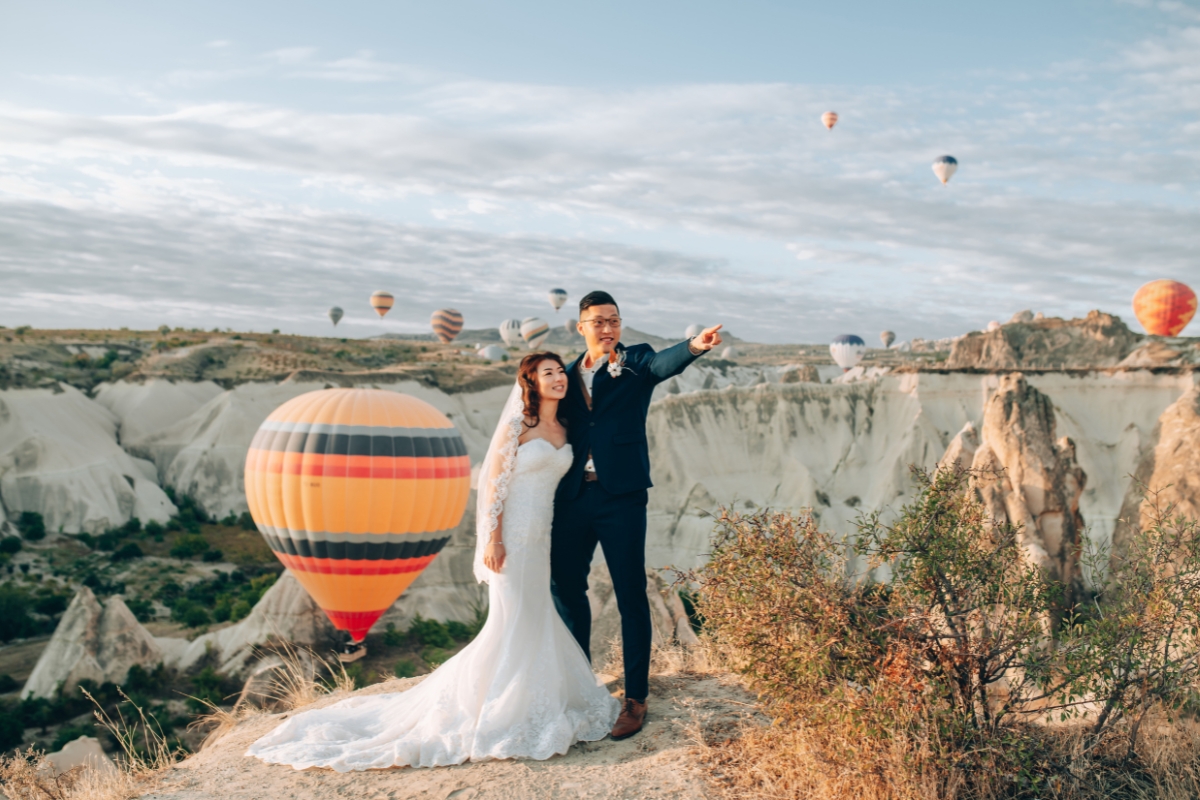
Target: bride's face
[{"x": 552, "y": 380}]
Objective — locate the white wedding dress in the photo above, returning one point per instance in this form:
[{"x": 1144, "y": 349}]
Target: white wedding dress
[{"x": 522, "y": 689}]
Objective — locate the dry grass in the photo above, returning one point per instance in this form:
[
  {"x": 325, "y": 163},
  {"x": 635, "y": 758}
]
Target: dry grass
[{"x": 145, "y": 754}]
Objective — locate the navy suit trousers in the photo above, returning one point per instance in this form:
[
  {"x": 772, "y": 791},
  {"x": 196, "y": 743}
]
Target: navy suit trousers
[{"x": 618, "y": 523}]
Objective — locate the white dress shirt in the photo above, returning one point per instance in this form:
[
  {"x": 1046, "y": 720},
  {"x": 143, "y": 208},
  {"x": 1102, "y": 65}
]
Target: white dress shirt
[{"x": 589, "y": 376}]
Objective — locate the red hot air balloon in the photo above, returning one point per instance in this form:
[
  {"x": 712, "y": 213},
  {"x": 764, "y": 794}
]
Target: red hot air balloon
[
  {"x": 446, "y": 323},
  {"x": 356, "y": 491},
  {"x": 1164, "y": 307}
]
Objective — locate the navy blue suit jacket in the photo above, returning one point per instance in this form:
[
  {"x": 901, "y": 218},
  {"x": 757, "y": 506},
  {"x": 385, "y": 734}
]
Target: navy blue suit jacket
[{"x": 614, "y": 429}]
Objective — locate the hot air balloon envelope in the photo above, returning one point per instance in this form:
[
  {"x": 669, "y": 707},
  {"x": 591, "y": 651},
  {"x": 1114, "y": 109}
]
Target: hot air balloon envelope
[
  {"x": 336, "y": 314},
  {"x": 356, "y": 491},
  {"x": 446, "y": 323},
  {"x": 945, "y": 167},
  {"x": 1164, "y": 307},
  {"x": 829, "y": 119},
  {"x": 534, "y": 331},
  {"x": 493, "y": 352},
  {"x": 693, "y": 330},
  {"x": 887, "y": 337},
  {"x": 510, "y": 332},
  {"x": 382, "y": 302},
  {"x": 847, "y": 350},
  {"x": 557, "y": 298}
]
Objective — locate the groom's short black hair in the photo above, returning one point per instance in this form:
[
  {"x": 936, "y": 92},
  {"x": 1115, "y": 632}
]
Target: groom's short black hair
[{"x": 596, "y": 299}]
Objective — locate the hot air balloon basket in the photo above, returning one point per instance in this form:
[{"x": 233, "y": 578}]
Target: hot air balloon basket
[{"x": 353, "y": 651}]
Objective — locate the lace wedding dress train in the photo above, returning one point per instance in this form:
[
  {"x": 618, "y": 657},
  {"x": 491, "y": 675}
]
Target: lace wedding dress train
[{"x": 521, "y": 689}]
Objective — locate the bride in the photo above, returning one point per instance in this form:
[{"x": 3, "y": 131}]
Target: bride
[{"x": 523, "y": 688}]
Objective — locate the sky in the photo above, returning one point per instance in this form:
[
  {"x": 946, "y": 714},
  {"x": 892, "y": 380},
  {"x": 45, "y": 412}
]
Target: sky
[{"x": 248, "y": 165}]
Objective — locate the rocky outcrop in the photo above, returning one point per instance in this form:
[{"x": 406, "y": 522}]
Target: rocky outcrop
[
  {"x": 1166, "y": 475},
  {"x": 92, "y": 641},
  {"x": 86, "y": 751},
  {"x": 803, "y": 373},
  {"x": 285, "y": 613},
  {"x": 1030, "y": 478},
  {"x": 148, "y": 408},
  {"x": 1099, "y": 340},
  {"x": 59, "y": 457}
]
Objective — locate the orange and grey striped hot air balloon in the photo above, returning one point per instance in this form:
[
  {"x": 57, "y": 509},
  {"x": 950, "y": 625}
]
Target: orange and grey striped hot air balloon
[
  {"x": 356, "y": 491},
  {"x": 1164, "y": 307},
  {"x": 382, "y": 302},
  {"x": 829, "y": 118},
  {"x": 446, "y": 324}
]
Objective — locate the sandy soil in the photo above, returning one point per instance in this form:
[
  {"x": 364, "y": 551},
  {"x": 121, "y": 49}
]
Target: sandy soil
[{"x": 659, "y": 762}]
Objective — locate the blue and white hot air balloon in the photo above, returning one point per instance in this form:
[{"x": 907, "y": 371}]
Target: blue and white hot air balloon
[
  {"x": 847, "y": 350},
  {"x": 510, "y": 332},
  {"x": 945, "y": 167},
  {"x": 557, "y": 298}
]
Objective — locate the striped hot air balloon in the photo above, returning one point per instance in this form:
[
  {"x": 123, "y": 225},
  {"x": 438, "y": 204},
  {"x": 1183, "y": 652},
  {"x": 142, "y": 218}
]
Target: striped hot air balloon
[
  {"x": 847, "y": 350},
  {"x": 1164, "y": 307},
  {"x": 446, "y": 323},
  {"x": 382, "y": 302},
  {"x": 945, "y": 167},
  {"x": 510, "y": 332},
  {"x": 829, "y": 119},
  {"x": 356, "y": 491},
  {"x": 534, "y": 331}
]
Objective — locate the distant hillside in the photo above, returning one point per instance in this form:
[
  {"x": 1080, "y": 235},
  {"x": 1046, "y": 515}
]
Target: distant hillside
[{"x": 559, "y": 337}]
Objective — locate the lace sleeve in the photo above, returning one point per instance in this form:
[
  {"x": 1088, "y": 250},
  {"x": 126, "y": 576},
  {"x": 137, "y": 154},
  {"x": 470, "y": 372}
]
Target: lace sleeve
[{"x": 495, "y": 473}]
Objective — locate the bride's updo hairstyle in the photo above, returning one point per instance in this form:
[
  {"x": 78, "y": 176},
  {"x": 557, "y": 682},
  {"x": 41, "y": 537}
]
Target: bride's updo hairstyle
[{"x": 527, "y": 376}]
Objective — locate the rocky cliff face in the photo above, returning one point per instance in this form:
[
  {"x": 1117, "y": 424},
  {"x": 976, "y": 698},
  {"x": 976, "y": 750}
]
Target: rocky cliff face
[
  {"x": 1099, "y": 340},
  {"x": 92, "y": 641},
  {"x": 1030, "y": 478},
  {"x": 59, "y": 457},
  {"x": 1167, "y": 474}
]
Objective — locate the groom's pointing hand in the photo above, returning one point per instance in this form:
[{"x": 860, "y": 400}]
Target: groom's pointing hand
[{"x": 708, "y": 338}]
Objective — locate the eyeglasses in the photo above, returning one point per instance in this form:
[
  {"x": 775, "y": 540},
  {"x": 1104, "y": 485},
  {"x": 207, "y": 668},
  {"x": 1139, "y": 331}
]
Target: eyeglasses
[{"x": 600, "y": 323}]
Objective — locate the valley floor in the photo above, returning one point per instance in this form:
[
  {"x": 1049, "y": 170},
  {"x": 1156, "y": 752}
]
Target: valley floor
[{"x": 660, "y": 762}]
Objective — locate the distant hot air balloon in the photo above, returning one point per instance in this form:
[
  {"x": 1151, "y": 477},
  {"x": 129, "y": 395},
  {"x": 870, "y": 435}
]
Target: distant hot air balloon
[
  {"x": 557, "y": 298},
  {"x": 829, "y": 118},
  {"x": 994, "y": 325},
  {"x": 729, "y": 353},
  {"x": 1164, "y": 307},
  {"x": 493, "y": 352},
  {"x": 534, "y": 331},
  {"x": 336, "y": 314},
  {"x": 847, "y": 350},
  {"x": 446, "y": 323},
  {"x": 945, "y": 167},
  {"x": 510, "y": 332},
  {"x": 693, "y": 330},
  {"x": 887, "y": 337},
  {"x": 356, "y": 491},
  {"x": 571, "y": 326},
  {"x": 382, "y": 302}
]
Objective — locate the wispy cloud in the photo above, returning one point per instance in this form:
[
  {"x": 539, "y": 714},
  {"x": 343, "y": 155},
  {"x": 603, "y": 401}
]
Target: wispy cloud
[{"x": 728, "y": 200}]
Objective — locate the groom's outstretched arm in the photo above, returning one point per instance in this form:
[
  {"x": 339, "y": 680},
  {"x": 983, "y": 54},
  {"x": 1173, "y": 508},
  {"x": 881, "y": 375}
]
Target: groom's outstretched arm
[{"x": 674, "y": 360}]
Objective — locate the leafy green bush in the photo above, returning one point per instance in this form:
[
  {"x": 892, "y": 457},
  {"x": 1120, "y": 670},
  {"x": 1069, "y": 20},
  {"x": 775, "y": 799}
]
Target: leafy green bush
[
  {"x": 141, "y": 608},
  {"x": 436, "y": 656},
  {"x": 8, "y": 684},
  {"x": 212, "y": 555},
  {"x": 393, "y": 637},
  {"x": 189, "y": 546},
  {"x": 941, "y": 678},
  {"x": 69, "y": 733},
  {"x": 405, "y": 668},
  {"x": 155, "y": 530},
  {"x": 429, "y": 632},
  {"x": 12, "y": 731},
  {"x": 31, "y": 526},
  {"x": 10, "y": 544},
  {"x": 127, "y": 552}
]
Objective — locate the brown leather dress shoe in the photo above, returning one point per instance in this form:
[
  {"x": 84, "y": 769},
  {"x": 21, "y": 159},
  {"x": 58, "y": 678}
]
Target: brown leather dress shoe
[{"x": 631, "y": 720}]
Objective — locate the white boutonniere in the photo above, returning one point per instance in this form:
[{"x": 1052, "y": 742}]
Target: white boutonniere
[{"x": 616, "y": 363}]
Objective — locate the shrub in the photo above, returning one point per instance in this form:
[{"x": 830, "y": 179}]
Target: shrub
[
  {"x": 247, "y": 521},
  {"x": 934, "y": 684},
  {"x": 8, "y": 683},
  {"x": 393, "y": 637},
  {"x": 141, "y": 608},
  {"x": 127, "y": 552},
  {"x": 189, "y": 546},
  {"x": 12, "y": 732},
  {"x": 10, "y": 544},
  {"x": 69, "y": 733},
  {"x": 51, "y": 604},
  {"x": 429, "y": 632},
  {"x": 31, "y": 525},
  {"x": 405, "y": 668},
  {"x": 212, "y": 555}
]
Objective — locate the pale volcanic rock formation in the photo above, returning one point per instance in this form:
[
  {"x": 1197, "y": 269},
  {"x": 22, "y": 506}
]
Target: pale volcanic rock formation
[
  {"x": 285, "y": 613},
  {"x": 1099, "y": 340},
  {"x": 59, "y": 457},
  {"x": 86, "y": 751},
  {"x": 1167, "y": 472},
  {"x": 962, "y": 449},
  {"x": 147, "y": 408},
  {"x": 1030, "y": 478},
  {"x": 92, "y": 641}
]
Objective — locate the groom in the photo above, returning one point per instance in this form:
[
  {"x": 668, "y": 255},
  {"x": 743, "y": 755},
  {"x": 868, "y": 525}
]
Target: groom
[{"x": 603, "y": 496}]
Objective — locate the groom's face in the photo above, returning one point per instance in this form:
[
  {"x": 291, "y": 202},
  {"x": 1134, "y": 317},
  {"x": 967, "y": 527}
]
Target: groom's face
[{"x": 600, "y": 326}]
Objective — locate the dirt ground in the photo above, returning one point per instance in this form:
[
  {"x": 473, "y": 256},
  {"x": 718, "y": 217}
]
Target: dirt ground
[{"x": 660, "y": 762}]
